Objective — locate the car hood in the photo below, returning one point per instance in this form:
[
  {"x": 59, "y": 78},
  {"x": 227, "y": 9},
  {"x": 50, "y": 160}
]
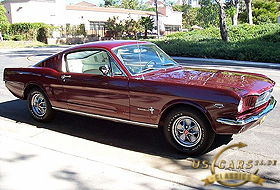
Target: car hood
[{"x": 240, "y": 82}]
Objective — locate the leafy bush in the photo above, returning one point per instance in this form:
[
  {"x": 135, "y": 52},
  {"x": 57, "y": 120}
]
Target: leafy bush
[
  {"x": 6, "y": 37},
  {"x": 43, "y": 35},
  {"x": 5, "y": 28},
  {"x": 18, "y": 38},
  {"x": 246, "y": 32},
  {"x": 27, "y": 31}
]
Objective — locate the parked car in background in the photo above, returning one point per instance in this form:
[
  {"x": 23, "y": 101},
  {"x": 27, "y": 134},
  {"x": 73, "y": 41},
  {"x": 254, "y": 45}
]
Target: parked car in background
[{"x": 136, "y": 82}]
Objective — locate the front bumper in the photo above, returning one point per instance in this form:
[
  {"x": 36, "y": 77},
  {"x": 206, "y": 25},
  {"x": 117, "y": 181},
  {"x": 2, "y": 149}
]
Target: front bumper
[{"x": 251, "y": 119}]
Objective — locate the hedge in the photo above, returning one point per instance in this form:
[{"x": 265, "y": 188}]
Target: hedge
[
  {"x": 27, "y": 31},
  {"x": 248, "y": 43}
]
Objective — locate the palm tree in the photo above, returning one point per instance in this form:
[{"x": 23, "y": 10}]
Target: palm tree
[{"x": 147, "y": 23}]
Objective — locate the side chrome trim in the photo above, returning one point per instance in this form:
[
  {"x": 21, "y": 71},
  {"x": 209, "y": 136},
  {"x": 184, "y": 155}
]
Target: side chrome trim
[
  {"x": 268, "y": 109},
  {"x": 107, "y": 118}
]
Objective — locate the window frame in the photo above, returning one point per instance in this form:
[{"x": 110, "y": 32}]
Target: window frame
[
  {"x": 110, "y": 57},
  {"x": 126, "y": 66}
]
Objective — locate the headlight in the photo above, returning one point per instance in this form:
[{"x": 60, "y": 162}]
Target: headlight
[
  {"x": 247, "y": 103},
  {"x": 240, "y": 105},
  {"x": 263, "y": 98}
]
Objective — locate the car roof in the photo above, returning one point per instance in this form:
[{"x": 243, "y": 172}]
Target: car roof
[{"x": 107, "y": 44}]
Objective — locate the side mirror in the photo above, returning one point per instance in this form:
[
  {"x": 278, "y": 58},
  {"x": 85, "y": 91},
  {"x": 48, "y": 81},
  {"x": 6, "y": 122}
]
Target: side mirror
[{"x": 104, "y": 70}]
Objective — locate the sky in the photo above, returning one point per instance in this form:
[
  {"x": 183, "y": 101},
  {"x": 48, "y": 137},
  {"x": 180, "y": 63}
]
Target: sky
[{"x": 96, "y": 2}]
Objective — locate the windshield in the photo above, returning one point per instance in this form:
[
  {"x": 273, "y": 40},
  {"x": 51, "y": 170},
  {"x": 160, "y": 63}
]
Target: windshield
[{"x": 143, "y": 58}]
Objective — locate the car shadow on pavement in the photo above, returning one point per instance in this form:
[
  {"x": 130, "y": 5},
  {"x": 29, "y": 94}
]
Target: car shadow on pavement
[{"x": 130, "y": 137}]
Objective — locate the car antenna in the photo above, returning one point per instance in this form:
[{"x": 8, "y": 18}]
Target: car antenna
[{"x": 139, "y": 54}]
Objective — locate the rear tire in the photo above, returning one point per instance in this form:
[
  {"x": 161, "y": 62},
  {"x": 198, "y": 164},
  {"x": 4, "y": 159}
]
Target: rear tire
[
  {"x": 39, "y": 106},
  {"x": 188, "y": 131}
]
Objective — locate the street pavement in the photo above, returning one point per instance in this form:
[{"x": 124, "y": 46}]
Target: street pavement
[{"x": 75, "y": 152}]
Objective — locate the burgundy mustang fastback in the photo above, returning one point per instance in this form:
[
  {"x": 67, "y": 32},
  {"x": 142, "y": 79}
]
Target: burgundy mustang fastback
[{"x": 135, "y": 82}]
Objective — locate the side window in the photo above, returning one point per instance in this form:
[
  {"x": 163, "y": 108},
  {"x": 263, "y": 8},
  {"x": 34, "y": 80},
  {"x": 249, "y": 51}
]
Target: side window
[
  {"x": 90, "y": 61},
  {"x": 115, "y": 70},
  {"x": 87, "y": 62}
]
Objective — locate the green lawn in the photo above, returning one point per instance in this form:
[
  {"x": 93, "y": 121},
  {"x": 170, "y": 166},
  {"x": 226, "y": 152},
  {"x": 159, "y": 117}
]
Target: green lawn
[{"x": 20, "y": 44}]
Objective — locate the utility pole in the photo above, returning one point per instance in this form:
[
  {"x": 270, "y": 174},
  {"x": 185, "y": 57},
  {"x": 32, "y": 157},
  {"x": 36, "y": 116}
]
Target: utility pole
[{"x": 157, "y": 23}]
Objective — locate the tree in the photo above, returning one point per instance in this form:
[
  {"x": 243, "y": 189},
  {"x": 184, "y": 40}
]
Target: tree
[
  {"x": 223, "y": 22},
  {"x": 208, "y": 13},
  {"x": 147, "y": 23},
  {"x": 234, "y": 18},
  {"x": 248, "y": 4},
  {"x": 3, "y": 18},
  {"x": 114, "y": 27},
  {"x": 129, "y": 4},
  {"x": 4, "y": 24},
  {"x": 111, "y": 3},
  {"x": 142, "y": 5},
  {"x": 190, "y": 15},
  {"x": 264, "y": 11},
  {"x": 132, "y": 26}
]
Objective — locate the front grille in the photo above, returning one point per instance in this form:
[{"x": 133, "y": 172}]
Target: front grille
[{"x": 263, "y": 98}]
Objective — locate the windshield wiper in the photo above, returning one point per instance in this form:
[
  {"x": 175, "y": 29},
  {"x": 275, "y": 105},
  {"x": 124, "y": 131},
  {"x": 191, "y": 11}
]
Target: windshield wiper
[
  {"x": 148, "y": 69},
  {"x": 168, "y": 64}
]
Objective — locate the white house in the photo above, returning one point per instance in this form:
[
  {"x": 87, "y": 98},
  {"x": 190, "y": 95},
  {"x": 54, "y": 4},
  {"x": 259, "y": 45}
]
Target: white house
[
  {"x": 56, "y": 12},
  {"x": 47, "y": 11},
  {"x": 192, "y": 3}
]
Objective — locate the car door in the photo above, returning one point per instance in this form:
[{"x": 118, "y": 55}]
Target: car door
[
  {"x": 88, "y": 90},
  {"x": 145, "y": 103}
]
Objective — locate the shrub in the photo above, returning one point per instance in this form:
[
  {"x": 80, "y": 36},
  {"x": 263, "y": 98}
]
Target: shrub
[
  {"x": 43, "y": 35},
  {"x": 18, "y": 38},
  {"x": 26, "y": 30},
  {"x": 250, "y": 43},
  {"x": 246, "y": 32},
  {"x": 30, "y": 31},
  {"x": 4, "y": 28},
  {"x": 6, "y": 37}
]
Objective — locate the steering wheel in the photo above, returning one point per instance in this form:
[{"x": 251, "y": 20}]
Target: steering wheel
[{"x": 150, "y": 64}]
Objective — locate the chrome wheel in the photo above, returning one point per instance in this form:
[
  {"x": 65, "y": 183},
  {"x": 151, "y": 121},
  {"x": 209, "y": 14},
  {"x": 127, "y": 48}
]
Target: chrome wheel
[
  {"x": 38, "y": 104},
  {"x": 186, "y": 131}
]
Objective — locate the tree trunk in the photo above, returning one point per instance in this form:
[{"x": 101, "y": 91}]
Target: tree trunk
[
  {"x": 146, "y": 34},
  {"x": 249, "y": 11},
  {"x": 223, "y": 23},
  {"x": 234, "y": 18}
]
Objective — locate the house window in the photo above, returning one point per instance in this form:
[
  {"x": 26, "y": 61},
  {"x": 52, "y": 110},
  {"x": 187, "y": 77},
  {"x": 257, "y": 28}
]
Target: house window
[
  {"x": 172, "y": 28},
  {"x": 97, "y": 28}
]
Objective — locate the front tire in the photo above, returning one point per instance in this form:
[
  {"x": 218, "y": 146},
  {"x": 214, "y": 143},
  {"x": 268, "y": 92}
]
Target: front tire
[
  {"x": 39, "y": 106},
  {"x": 188, "y": 131}
]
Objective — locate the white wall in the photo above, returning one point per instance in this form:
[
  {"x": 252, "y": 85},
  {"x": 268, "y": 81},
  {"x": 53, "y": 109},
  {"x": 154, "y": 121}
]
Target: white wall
[
  {"x": 76, "y": 17},
  {"x": 55, "y": 12},
  {"x": 172, "y": 17},
  {"x": 33, "y": 11}
]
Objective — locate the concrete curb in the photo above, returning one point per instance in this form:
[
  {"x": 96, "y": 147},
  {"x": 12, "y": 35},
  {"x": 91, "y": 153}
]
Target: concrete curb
[{"x": 205, "y": 61}]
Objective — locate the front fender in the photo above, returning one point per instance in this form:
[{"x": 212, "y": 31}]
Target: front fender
[{"x": 181, "y": 103}]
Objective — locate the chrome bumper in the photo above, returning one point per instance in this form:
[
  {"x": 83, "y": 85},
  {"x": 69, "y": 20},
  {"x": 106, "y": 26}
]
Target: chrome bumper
[{"x": 268, "y": 109}]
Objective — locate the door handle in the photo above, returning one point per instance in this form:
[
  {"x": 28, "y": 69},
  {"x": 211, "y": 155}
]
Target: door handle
[{"x": 63, "y": 77}]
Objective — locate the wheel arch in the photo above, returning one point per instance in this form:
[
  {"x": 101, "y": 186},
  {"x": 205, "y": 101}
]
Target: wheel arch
[
  {"x": 30, "y": 86},
  {"x": 183, "y": 104}
]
